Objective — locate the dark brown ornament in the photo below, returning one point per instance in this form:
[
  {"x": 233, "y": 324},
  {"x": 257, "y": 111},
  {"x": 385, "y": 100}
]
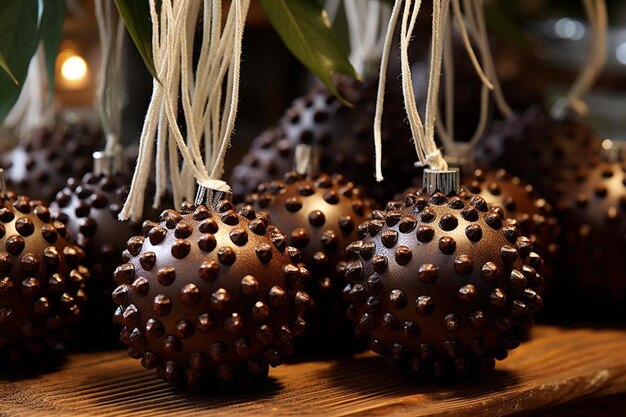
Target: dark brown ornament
[
  {"x": 519, "y": 200},
  {"x": 592, "y": 279},
  {"x": 452, "y": 294},
  {"x": 89, "y": 209},
  {"x": 320, "y": 216},
  {"x": 42, "y": 284},
  {"x": 39, "y": 166},
  {"x": 200, "y": 303},
  {"x": 344, "y": 136},
  {"x": 539, "y": 149}
]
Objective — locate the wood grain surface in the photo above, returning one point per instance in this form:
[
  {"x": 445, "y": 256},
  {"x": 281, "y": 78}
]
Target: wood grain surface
[{"x": 559, "y": 369}]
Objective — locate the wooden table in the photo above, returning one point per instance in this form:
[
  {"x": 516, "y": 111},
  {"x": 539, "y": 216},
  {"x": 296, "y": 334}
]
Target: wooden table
[{"x": 560, "y": 369}]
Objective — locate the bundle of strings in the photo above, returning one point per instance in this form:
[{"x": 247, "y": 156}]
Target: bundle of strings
[
  {"x": 423, "y": 132},
  {"x": 208, "y": 92},
  {"x": 598, "y": 22},
  {"x": 111, "y": 32},
  {"x": 470, "y": 21},
  {"x": 367, "y": 21},
  {"x": 32, "y": 109}
]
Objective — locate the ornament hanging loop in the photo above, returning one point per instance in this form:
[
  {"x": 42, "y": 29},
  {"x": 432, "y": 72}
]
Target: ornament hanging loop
[
  {"x": 447, "y": 182},
  {"x": 307, "y": 160}
]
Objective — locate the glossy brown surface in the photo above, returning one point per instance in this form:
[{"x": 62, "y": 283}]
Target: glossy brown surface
[
  {"x": 40, "y": 165},
  {"x": 89, "y": 209},
  {"x": 41, "y": 289},
  {"x": 536, "y": 218},
  {"x": 551, "y": 375},
  {"x": 209, "y": 295},
  {"x": 320, "y": 217},
  {"x": 344, "y": 136},
  {"x": 443, "y": 283},
  {"x": 543, "y": 151},
  {"x": 594, "y": 246}
]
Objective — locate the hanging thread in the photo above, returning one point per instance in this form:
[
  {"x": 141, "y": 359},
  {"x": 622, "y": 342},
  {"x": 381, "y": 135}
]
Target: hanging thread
[
  {"x": 366, "y": 26},
  {"x": 471, "y": 23},
  {"x": 598, "y": 21},
  {"x": 33, "y": 109},
  {"x": 423, "y": 133},
  {"x": 208, "y": 93},
  {"x": 111, "y": 33}
]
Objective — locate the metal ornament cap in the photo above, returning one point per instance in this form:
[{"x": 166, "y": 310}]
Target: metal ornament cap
[
  {"x": 109, "y": 162},
  {"x": 211, "y": 196},
  {"x": 447, "y": 182}
]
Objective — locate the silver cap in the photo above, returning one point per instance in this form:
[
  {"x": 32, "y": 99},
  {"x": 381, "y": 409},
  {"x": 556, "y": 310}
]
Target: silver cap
[
  {"x": 307, "y": 160},
  {"x": 211, "y": 197},
  {"x": 109, "y": 162},
  {"x": 447, "y": 182},
  {"x": 3, "y": 181}
]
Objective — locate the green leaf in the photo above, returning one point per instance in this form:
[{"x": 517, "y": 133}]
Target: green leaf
[
  {"x": 136, "y": 15},
  {"x": 51, "y": 30},
  {"x": 19, "y": 37},
  {"x": 306, "y": 31}
]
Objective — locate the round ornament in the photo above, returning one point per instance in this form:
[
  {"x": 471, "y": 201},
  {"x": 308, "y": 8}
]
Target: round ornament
[
  {"x": 445, "y": 284},
  {"x": 592, "y": 283},
  {"x": 541, "y": 150},
  {"x": 536, "y": 218},
  {"x": 209, "y": 294},
  {"x": 344, "y": 136},
  {"x": 41, "y": 289},
  {"x": 320, "y": 216},
  {"x": 40, "y": 166}
]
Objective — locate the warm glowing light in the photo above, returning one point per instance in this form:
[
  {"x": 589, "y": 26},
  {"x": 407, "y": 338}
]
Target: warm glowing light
[
  {"x": 74, "y": 68},
  {"x": 607, "y": 144}
]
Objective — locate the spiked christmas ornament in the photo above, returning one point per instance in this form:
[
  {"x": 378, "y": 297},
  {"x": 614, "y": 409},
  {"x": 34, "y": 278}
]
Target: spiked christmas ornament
[
  {"x": 40, "y": 165},
  {"x": 41, "y": 292},
  {"x": 210, "y": 294},
  {"x": 344, "y": 136},
  {"x": 89, "y": 209},
  {"x": 535, "y": 217},
  {"x": 540, "y": 149},
  {"x": 474, "y": 288},
  {"x": 593, "y": 272},
  {"x": 319, "y": 214}
]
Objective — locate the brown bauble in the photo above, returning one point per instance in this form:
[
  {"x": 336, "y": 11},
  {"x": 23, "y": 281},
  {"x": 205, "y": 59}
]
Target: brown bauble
[
  {"x": 40, "y": 165},
  {"x": 41, "y": 289},
  {"x": 444, "y": 284},
  {"x": 344, "y": 136},
  {"x": 536, "y": 218},
  {"x": 210, "y": 295},
  {"x": 320, "y": 216},
  {"x": 539, "y": 149},
  {"x": 592, "y": 282},
  {"x": 89, "y": 209}
]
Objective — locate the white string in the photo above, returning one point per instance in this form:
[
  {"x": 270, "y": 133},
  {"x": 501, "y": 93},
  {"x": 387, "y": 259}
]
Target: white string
[
  {"x": 109, "y": 86},
  {"x": 366, "y": 27},
  {"x": 208, "y": 92},
  {"x": 598, "y": 22},
  {"x": 33, "y": 108},
  {"x": 423, "y": 133},
  {"x": 474, "y": 24}
]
